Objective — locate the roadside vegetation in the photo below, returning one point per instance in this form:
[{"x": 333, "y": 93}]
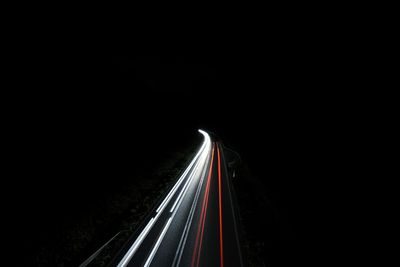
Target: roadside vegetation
[
  {"x": 121, "y": 210},
  {"x": 261, "y": 221}
]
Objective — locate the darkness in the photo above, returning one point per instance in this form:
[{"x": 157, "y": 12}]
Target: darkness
[{"x": 83, "y": 122}]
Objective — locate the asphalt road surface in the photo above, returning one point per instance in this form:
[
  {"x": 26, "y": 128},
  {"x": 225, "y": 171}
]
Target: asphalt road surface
[{"x": 195, "y": 224}]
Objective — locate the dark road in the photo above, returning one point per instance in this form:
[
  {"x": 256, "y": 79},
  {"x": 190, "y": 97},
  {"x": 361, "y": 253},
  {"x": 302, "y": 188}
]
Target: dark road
[{"x": 195, "y": 224}]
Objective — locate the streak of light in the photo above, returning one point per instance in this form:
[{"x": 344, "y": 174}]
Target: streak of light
[
  {"x": 188, "y": 224},
  {"x": 184, "y": 190},
  {"x": 160, "y": 238},
  {"x": 204, "y": 149},
  {"x": 201, "y": 163},
  {"x": 137, "y": 243},
  {"x": 200, "y": 231}
]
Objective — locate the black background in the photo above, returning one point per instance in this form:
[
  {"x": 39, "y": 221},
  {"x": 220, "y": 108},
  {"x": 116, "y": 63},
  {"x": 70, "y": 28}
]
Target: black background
[{"x": 78, "y": 119}]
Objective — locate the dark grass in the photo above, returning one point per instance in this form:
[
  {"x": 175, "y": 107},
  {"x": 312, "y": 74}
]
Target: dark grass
[{"x": 122, "y": 209}]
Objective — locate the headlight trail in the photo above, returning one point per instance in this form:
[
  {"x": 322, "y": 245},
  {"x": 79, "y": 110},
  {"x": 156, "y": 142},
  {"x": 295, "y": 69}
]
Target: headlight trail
[
  {"x": 200, "y": 157},
  {"x": 195, "y": 223}
]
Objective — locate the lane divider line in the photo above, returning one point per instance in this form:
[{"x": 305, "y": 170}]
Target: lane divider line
[
  {"x": 137, "y": 243},
  {"x": 189, "y": 180},
  {"x": 144, "y": 233},
  {"x": 160, "y": 238},
  {"x": 182, "y": 242},
  {"x": 202, "y": 161},
  {"x": 204, "y": 219},
  {"x": 196, "y": 254},
  {"x": 173, "y": 190},
  {"x": 132, "y": 250}
]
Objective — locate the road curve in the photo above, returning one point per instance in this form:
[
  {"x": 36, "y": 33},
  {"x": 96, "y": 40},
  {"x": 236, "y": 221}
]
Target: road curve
[{"x": 195, "y": 224}]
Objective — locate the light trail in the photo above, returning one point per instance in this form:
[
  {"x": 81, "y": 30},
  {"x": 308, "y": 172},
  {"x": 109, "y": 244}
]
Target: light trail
[
  {"x": 202, "y": 162},
  {"x": 200, "y": 230},
  {"x": 188, "y": 224},
  {"x": 137, "y": 243},
  {"x": 160, "y": 238},
  {"x": 201, "y": 153},
  {"x": 189, "y": 180},
  {"x": 170, "y": 194},
  {"x": 199, "y": 158}
]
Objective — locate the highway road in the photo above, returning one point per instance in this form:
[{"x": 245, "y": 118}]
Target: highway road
[{"x": 196, "y": 224}]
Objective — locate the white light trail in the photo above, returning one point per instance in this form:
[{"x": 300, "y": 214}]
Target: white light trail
[
  {"x": 185, "y": 232},
  {"x": 173, "y": 190},
  {"x": 137, "y": 243},
  {"x": 132, "y": 250},
  {"x": 205, "y": 144},
  {"x": 202, "y": 161},
  {"x": 199, "y": 165},
  {"x": 155, "y": 248}
]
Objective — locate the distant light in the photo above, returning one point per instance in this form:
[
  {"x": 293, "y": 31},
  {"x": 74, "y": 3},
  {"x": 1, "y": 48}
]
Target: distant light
[{"x": 202, "y": 132}]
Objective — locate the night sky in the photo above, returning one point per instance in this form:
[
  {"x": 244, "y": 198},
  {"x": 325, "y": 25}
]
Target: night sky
[{"x": 83, "y": 122}]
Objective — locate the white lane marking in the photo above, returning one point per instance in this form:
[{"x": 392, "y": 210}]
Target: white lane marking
[
  {"x": 132, "y": 250},
  {"x": 182, "y": 241},
  {"x": 135, "y": 245},
  {"x": 206, "y": 143},
  {"x": 186, "y": 189},
  {"x": 160, "y": 238},
  {"x": 189, "y": 180},
  {"x": 181, "y": 178},
  {"x": 155, "y": 248},
  {"x": 193, "y": 173}
]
